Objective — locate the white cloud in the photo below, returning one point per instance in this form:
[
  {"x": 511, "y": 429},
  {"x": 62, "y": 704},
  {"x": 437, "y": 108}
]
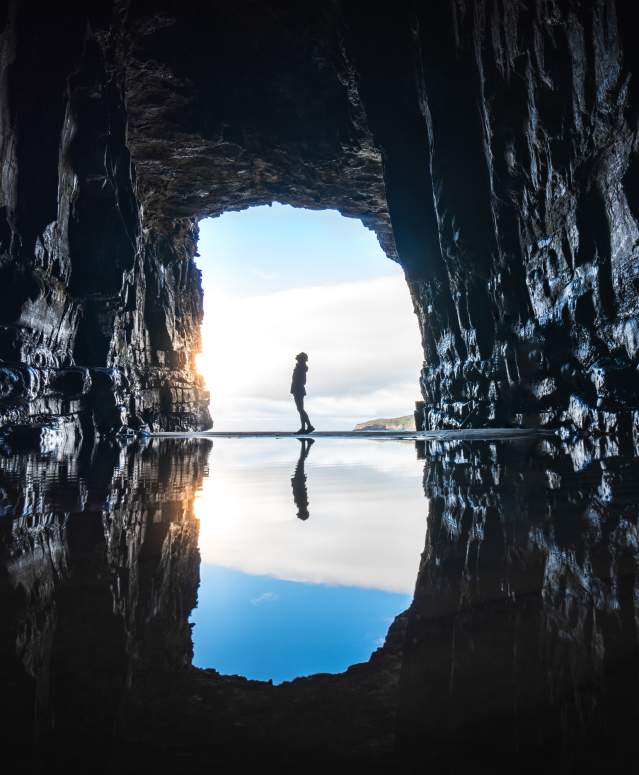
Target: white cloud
[
  {"x": 367, "y": 521},
  {"x": 265, "y": 597},
  {"x": 363, "y": 344}
]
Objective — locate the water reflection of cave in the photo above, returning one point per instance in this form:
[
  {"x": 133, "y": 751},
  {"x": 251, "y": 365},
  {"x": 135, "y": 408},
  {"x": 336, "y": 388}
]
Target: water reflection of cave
[{"x": 524, "y": 620}]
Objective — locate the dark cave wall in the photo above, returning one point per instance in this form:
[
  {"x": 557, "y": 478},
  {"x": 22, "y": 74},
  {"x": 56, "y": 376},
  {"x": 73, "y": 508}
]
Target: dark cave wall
[
  {"x": 491, "y": 146},
  {"x": 99, "y": 323},
  {"x": 508, "y": 133},
  {"x": 531, "y": 166}
]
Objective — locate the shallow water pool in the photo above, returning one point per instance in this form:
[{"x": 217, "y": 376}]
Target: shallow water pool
[{"x": 309, "y": 551}]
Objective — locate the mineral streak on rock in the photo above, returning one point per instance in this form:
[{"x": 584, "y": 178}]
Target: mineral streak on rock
[{"x": 491, "y": 146}]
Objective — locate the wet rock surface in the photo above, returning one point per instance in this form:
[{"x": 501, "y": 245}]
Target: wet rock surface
[
  {"x": 519, "y": 650},
  {"x": 100, "y": 318},
  {"x": 492, "y": 147}
]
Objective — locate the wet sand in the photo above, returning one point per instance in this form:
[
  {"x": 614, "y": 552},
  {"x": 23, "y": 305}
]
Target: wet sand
[{"x": 470, "y": 433}]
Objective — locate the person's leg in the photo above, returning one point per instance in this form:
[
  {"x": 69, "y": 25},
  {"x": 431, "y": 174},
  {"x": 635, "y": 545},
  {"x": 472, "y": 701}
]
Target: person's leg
[
  {"x": 304, "y": 414},
  {"x": 304, "y": 418},
  {"x": 299, "y": 405}
]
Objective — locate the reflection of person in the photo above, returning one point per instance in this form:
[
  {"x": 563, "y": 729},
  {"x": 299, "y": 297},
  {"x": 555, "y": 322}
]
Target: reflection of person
[
  {"x": 298, "y": 389},
  {"x": 298, "y": 481}
]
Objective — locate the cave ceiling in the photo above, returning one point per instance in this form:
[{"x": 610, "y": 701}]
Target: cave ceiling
[{"x": 250, "y": 119}]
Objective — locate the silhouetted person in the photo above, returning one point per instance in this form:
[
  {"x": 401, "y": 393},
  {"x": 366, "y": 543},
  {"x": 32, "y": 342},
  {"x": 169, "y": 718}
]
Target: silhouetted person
[
  {"x": 298, "y": 389},
  {"x": 298, "y": 481}
]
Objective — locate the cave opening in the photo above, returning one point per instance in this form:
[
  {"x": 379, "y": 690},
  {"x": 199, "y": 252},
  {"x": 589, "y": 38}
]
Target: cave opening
[
  {"x": 296, "y": 551},
  {"x": 278, "y": 280}
]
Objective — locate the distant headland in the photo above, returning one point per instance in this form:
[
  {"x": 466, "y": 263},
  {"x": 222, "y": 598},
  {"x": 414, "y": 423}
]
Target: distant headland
[{"x": 405, "y": 423}]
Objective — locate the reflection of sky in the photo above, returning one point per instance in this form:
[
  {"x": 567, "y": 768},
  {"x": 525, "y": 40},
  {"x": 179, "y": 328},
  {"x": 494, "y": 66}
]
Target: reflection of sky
[
  {"x": 281, "y": 597},
  {"x": 265, "y": 628},
  {"x": 278, "y": 280},
  {"x": 367, "y": 512}
]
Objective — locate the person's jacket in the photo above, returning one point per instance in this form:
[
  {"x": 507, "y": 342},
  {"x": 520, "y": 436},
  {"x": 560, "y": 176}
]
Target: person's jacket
[{"x": 299, "y": 379}]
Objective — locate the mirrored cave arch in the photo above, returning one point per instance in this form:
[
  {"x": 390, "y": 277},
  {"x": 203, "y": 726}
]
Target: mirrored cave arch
[{"x": 521, "y": 635}]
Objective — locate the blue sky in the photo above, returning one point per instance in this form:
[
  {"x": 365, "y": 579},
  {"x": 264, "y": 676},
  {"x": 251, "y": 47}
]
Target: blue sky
[
  {"x": 278, "y": 280},
  {"x": 266, "y": 249},
  {"x": 268, "y": 628}
]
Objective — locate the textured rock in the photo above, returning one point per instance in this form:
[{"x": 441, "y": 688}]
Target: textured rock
[
  {"x": 85, "y": 283},
  {"x": 491, "y": 146},
  {"x": 530, "y": 168}
]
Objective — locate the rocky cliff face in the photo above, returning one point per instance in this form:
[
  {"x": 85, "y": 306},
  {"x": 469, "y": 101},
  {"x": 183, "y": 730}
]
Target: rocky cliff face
[
  {"x": 533, "y": 170},
  {"x": 100, "y": 317},
  {"x": 491, "y": 146}
]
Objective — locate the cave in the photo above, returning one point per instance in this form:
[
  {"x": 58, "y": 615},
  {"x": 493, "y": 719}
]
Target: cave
[
  {"x": 492, "y": 151},
  {"x": 492, "y": 147}
]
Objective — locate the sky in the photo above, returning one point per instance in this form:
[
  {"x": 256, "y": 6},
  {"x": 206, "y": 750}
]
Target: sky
[
  {"x": 278, "y": 280},
  {"x": 319, "y": 594}
]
